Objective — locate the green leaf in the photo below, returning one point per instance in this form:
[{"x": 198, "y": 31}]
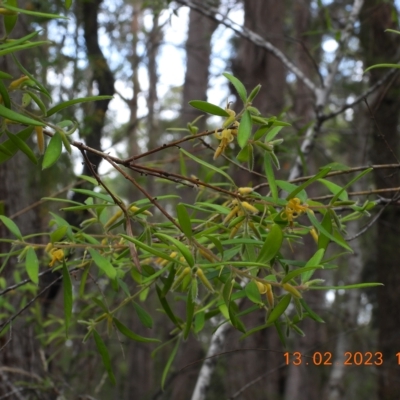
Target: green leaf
[
  {"x": 348, "y": 184},
  {"x": 68, "y": 299},
  {"x": 326, "y": 223},
  {"x": 10, "y": 20},
  {"x": 4, "y": 95},
  {"x": 310, "y": 312},
  {"x": 169, "y": 363},
  {"x": 316, "y": 223},
  {"x": 53, "y": 151},
  {"x": 68, "y": 4},
  {"x": 199, "y": 321},
  {"x": 32, "y": 265},
  {"x": 58, "y": 234},
  {"x": 70, "y": 103},
  {"x": 320, "y": 175},
  {"x": 4, "y": 75},
  {"x": 13, "y": 116},
  {"x": 184, "y": 220},
  {"x": 238, "y": 86},
  {"x": 272, "y": 244},
  {"x": 382, "y": 66},
  {"x": 272, "y": 133},
  {"x": 11, "y": 226},
  {"x": 180, "y": 247},
  {"x": 244, "y": 131},
  {"x": 131, "y": 335},
  {"x": 34, "y": 13},
  {"x": 27, "y": 73},
  {"x": 313, "y": 262},
  {"x": 91, "y": 193},
  {"x": 103, "y": 264},
  {"x": 333, "y": 188},
  {"x": 355, "y": 286},
  {"x": 208, "y": 108},
  {"x": 253, "y": 93},
  {"x": 102, "y": 349},
  {"x": 166, "y": 307},
  {"x": 38, "y": 101},
  {"x": 290, "y": 187},
  {"x": 299, "y": 271},
  {"x": 22, "y": 146},
  {"x": 190, "y": 303},
  {"x": 253, "y": 293},
  {"x": 144, "y": 317},
  {"x": 207, "y": 165},
  {"x": 23, "y": 46},
  {"x": 279, "y": 308},
  {"x": 270, "y": 175},
  {"x": 151, "y": 249}
]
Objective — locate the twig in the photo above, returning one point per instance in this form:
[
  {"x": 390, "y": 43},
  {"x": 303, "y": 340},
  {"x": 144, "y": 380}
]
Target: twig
[
  {"x": 253, "y": 37},
  {"x": 121, "y": 205},
  {"x": 4, "y": 324}
]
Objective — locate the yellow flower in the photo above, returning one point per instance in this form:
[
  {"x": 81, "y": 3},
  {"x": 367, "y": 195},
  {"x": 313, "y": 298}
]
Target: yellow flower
[
  {"x": 226, "y": 137},
  {"x": 56, "y": 255},
  {"x": 293, "y": 209}
]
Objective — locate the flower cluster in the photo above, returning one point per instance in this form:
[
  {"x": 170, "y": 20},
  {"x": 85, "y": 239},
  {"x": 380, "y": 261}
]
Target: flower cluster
[{"x": 293, "y": 209}]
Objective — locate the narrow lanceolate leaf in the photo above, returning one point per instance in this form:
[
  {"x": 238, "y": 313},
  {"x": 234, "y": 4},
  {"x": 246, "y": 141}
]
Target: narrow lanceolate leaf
[
  {"x": 8, "y": 148},
  {"x": 68, "y": 4},
  {"x": 279, "y": 308},
  {"x": 326, "y": 223},
  {"x": 244, "y": 131},
  {"x": 169, "y": 363},
  {"x": 272, "y": 245},
  {"x": 144, "y": 317},
  {"x": 70, "y": 103},
  {"x": 318, "y": 225},
  {"x": 11, "y": 226},
  {"x": 270, "y": 175},
  {"x": 25, "y": 46},
  {"x": 190, "y": 303},
  {"x": 10, "y": 20},
  {"x": 184, "y": 220},
  {"x": 34, "y": 13},
  {"x": 299, "y": 271},
  {"x": 32, "y": 265},
  {"x": 166, "y": 307},
  {"x": 14, "y": 116},
  {"x": 180, "y": 247},
  {"x": 22, "y": 146},
  {"x": 4, "y": 95},
  {"x": 67, "y": 284},
  {"x": 312, "y": 262},
  {"x": 102, "y": 349},
  {"x": 131, "y": 335},
  {"x": 208, "y": 108},
  {"x": 238, "y": 86},
  {"x": 103, "y": 264},
  {"x": 320, "y": 175},
  {"x": 207, "y": 165},
  {"x": 253, "y": 293},
  {"x": 53, "y": 151}
]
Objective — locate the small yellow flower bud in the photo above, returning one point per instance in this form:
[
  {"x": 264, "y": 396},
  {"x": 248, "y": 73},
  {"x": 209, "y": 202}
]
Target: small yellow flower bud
[
  {"x": 245, "y": 190},
  {"x": 292, "y": 290},
  {"x": 18, "y": 82},
  {"x": 249, "y": 207},
  {"x": 40, "y": 138},
  {"x": 314, "y": 234},
  {"x": 181, "y": 277},
  {"x": 204, "y": 280}
]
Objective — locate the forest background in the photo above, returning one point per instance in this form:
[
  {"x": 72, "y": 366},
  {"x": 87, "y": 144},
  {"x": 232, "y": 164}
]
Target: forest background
[{"x": 309, "y": 57}]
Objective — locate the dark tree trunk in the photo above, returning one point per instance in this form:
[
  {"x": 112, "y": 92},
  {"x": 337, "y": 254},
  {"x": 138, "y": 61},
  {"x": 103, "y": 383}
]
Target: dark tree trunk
[{"x": 383, "y": 47}]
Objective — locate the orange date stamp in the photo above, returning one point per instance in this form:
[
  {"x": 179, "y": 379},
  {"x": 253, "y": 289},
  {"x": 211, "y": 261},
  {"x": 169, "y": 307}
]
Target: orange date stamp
[{"x": 326, "y": 358}]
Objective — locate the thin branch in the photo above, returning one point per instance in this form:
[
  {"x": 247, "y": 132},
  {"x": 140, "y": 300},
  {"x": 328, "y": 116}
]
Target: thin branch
[
  {"x": 4, "y": 324},
  {"x": 253, "y": 37},
  {"x": 121, "y": 205}
]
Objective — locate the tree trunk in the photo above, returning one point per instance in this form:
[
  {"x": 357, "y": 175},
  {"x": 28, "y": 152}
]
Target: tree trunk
[{"x": 382, "y": 47}]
